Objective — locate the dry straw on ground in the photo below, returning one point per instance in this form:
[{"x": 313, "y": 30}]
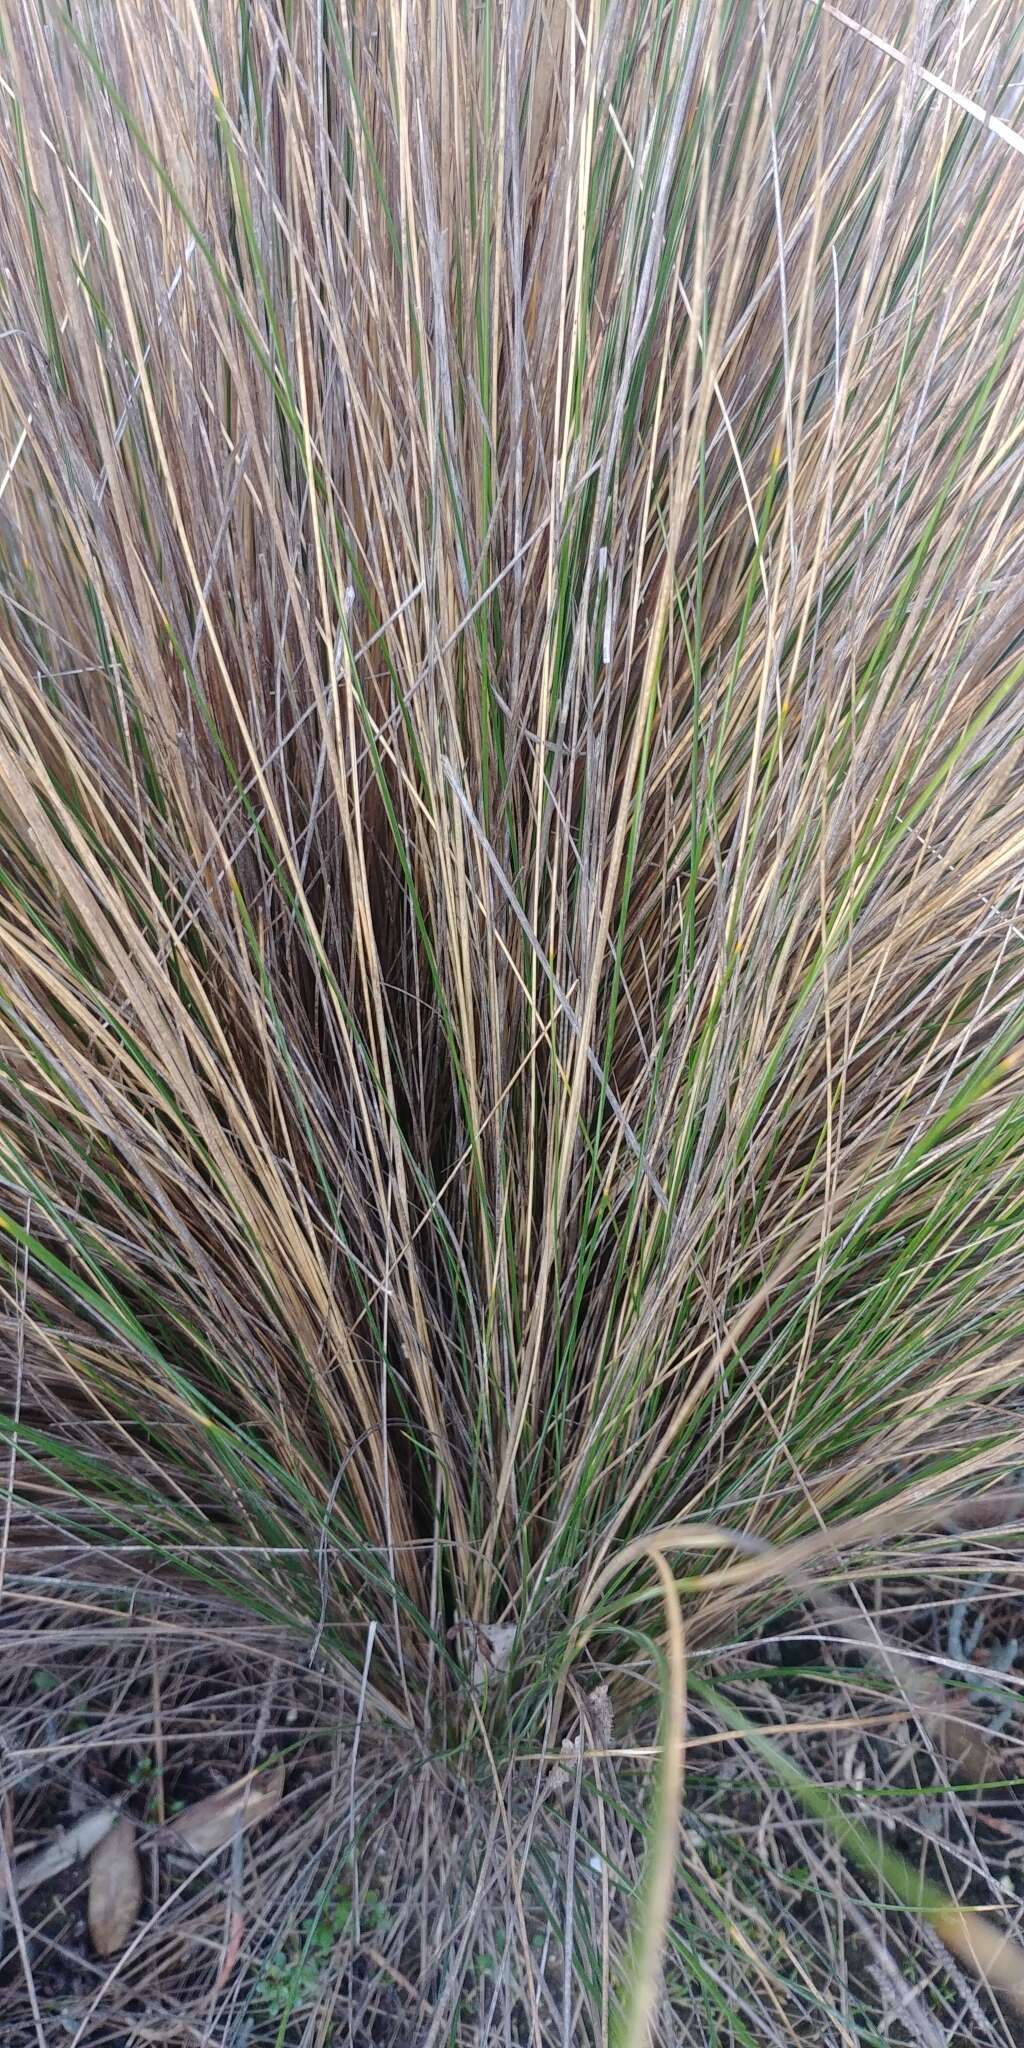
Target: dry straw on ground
[{"x": 511, "y": 831}]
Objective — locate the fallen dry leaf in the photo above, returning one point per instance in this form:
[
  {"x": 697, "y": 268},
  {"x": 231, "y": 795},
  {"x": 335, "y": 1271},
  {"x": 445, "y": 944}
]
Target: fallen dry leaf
[
  {"x": 489, "y": 1643},
  {"x": 115, "y": 1888},
  {"x": 212, "y": 1822}
]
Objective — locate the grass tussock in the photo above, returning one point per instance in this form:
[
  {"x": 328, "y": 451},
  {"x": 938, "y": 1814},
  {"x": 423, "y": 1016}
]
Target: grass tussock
[{"x": 511, "y": 998}]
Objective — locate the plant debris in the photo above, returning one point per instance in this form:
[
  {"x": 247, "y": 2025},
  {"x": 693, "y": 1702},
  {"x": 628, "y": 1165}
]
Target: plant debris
[
  {"x": 212, "y": 1823},
  {"x": 66, "y": 1848},
  {"x": 115, "y": 1888}
]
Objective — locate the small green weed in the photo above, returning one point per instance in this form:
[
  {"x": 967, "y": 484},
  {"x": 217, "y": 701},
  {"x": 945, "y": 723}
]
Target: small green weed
[{"x": 292, "y": 1974}]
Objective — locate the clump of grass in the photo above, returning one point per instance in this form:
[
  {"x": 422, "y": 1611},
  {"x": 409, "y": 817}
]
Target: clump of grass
[{"x": 511, "y": 820}]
